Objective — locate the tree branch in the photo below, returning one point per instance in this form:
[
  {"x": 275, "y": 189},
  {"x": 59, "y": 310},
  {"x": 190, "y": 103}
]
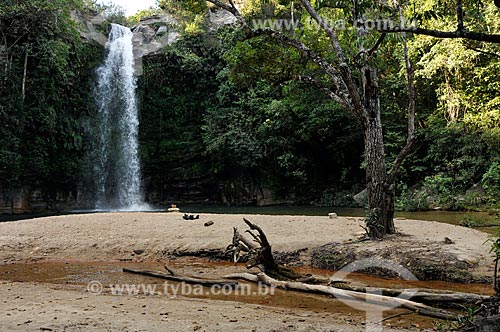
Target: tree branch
[
  {"x": 232, "y": 9},
  {"x": 183, "y": 278},
  {"x": 377, "y": 45},
  {"x": 345, "y": 70},
  {"x": 482, "y": 51},
  {"x": 478, "y": 36},
  {"x": 342, "y": 91},
  {"x": 262, "y": 235},
  {"x": 328, "y": 92},
  {"x": 302, "y": 48},
  {"x": 460, "y": 16},
  {"x": 410, "y": 140},
  {"x": 355, "y": 296}
]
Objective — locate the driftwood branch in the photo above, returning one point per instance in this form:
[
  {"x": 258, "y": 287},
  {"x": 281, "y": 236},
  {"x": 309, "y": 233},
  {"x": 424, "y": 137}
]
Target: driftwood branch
[
  {"x": 258, "y": 252},
  {"x": 171, "y": 271},
  {"x": 348, "y": 294},
  {"x": 182, "y": 278},
  {"x": 239, "y": 244},
  {"x": 261, "y": 238},
  {"x": 257, "y": 249},
  {"x": 244, "y": 276},
  {"x": 421, "y": 295}
]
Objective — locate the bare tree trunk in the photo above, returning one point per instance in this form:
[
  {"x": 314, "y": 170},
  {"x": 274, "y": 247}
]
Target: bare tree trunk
[
  {"x": 23, "y": 91},
  {"x": 380, "y": 194}
]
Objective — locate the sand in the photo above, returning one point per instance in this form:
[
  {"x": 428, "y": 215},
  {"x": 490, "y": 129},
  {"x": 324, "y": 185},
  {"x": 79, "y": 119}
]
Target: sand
[{"x": 156, "y": 236}]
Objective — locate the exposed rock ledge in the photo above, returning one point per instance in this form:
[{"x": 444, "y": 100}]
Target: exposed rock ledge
[{"x": 150, "y": 35}]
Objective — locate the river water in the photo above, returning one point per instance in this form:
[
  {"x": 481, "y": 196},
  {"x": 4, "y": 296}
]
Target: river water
[
  {"x": 481, "y": 219},
  {"x": 78, "y": 276}
]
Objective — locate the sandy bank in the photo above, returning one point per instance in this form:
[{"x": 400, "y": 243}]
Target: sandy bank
[{"x": 151, "y": 236}]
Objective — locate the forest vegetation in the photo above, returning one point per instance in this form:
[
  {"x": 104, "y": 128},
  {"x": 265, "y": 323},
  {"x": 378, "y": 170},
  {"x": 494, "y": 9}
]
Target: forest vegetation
[{"x": 224, "y": 117}]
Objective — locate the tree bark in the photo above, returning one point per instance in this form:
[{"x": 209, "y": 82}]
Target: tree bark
[
  {"x": 422, "y": 295},
  {"x": 183, "y": 278},
  {"x": 477, "y": 36},
  {"x": 380, "y": 193}
]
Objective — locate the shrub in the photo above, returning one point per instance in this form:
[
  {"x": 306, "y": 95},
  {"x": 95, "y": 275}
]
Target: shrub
[
  {"x": 491, "y": 180},
  {"x": 439, "y": 186},
  {"x": 411, "y": 200}
]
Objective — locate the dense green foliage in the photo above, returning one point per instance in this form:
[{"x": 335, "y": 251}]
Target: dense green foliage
[
  {"x": 223, "y": 136},
  {"x": 45, "y": 83},
  {"x": 225, "y": 119},
  {"x": 459, "y": 138}
]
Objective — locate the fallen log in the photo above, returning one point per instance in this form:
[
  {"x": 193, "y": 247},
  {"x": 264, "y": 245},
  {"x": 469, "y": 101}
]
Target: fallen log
[
  {"x": 244, "y": 276},
  {"x": 420, "y": 295},
  {"x": 183, "y": 278},
  {"x": 348, "y": 294}
]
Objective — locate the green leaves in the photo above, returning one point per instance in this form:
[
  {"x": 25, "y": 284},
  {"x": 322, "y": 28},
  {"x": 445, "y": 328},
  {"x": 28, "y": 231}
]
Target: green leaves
[
  {"x": 184, "y": 9},
  {"x": 491, "y": 180},
  {"x": 44, "y": 129}
]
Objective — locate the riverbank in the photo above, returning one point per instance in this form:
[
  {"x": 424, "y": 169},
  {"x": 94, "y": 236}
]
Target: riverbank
[
  {"x": 315, "y": 241},
  {"x": 54, "y": 296},
  {"x": 40, "y": 307}
]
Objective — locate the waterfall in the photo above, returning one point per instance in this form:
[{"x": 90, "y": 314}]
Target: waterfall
[{"x": 117, "y": 169}]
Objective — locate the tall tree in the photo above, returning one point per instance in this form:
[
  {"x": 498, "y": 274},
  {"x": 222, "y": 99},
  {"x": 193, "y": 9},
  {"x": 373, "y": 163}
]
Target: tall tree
[{"x": 350, "y": 79}]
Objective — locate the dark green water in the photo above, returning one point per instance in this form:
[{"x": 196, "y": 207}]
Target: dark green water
[{"x": 480, "y": 219}]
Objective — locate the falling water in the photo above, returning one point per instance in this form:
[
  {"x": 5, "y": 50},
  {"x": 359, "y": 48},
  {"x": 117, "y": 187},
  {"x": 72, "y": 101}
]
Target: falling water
[{"x": 117, "y": 166}]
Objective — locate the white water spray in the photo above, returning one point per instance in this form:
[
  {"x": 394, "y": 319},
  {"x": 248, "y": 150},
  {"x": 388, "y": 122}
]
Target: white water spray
[{"x": 117, "y": 168}]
